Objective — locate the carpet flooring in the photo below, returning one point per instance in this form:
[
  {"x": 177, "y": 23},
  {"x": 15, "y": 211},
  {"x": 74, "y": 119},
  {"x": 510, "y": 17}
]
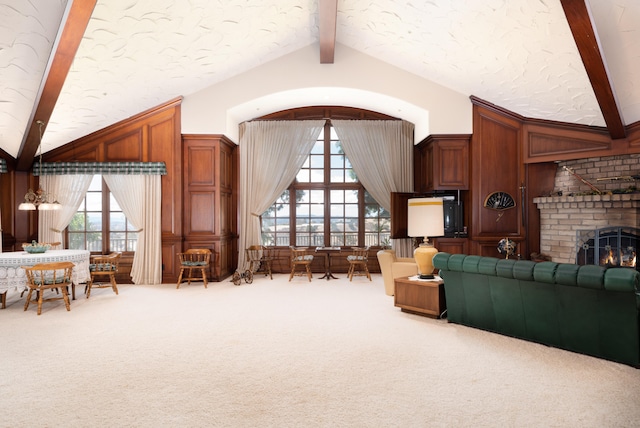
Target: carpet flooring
[{"x": 276, "y": 353}]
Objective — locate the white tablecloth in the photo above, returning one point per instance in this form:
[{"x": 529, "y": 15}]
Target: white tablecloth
[{"x": 12, "y": 277}]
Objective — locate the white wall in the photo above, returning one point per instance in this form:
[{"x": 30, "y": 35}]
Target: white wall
[{"x": 354, "y": 79}]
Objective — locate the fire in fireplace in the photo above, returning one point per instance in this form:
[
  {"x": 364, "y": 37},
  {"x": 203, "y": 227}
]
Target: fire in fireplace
[{"x": 609, "y": 246}]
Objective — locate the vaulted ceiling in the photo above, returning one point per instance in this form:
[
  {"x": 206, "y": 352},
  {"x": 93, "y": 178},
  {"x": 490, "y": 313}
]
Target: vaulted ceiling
[{"x": 82, "y": 65}]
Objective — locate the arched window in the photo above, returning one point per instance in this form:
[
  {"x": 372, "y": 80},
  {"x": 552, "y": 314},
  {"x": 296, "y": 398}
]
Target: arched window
[{"x": 326, "y": 205}]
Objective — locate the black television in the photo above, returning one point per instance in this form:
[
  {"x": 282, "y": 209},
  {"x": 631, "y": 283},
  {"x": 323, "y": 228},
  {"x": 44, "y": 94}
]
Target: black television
[{"x": 453, "y": 217}]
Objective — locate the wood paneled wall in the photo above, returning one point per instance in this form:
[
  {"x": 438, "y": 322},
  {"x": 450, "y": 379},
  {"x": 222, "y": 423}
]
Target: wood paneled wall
[
  {"x": 151, "y": 136},
  {"x": 210, "y": 199},
  {"x": 517, "y": 155}
]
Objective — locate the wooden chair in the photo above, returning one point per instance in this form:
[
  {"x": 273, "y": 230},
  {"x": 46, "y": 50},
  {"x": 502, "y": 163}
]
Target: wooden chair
[
  {"x": 259, "y": 258},
  {"x": 358, "y": 263},
  {"x": 48, "y": 276},
  {"x": 301, "y": 258},
  {"x": 194, "y": 259},
  {"x": 104, "y": 266}
]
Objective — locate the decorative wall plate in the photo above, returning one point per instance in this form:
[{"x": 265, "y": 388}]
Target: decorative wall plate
[{"x": 499, "y": 201}]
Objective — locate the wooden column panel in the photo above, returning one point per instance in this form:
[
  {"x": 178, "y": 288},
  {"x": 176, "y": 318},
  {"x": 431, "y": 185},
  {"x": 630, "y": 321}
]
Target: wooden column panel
[
  {"x": 209, "y": 209},
  {"x": 496, "y": 167}
]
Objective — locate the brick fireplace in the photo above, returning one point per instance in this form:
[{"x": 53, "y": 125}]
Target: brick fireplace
[{"x": 571, "y": 215}]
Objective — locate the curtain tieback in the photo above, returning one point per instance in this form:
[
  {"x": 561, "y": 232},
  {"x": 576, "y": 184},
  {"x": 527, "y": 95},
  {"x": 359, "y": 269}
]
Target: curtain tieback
[
  {"x": 55, "y": 230},
  {"x": 256, "y": 215}
]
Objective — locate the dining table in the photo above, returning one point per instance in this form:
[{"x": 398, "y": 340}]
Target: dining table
[{"x": 13, "y": 277}]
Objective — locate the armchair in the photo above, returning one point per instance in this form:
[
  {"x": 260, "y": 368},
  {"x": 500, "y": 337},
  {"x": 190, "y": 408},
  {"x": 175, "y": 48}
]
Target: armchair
[{"x": 393, "y": 267}]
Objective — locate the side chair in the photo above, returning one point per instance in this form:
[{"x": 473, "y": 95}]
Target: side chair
[
  {"x": 194, "y": 259},
  {"x": 104, "y": 266},
  {"x": 48, "y": 276},
  {"x": 358, "y": 260},
  {"x": 301, "y": 258}
]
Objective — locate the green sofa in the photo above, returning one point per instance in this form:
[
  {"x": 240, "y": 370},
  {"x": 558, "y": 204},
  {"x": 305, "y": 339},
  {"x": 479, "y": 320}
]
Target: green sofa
[{"x": 588, "y": 309}]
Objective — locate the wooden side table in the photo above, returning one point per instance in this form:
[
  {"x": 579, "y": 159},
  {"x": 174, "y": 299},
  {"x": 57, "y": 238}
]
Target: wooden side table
[{"x": 420, "y": 297}]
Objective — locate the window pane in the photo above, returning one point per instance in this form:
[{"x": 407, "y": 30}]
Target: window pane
[
  {"x": 337, "y": 176},
  {"x": 337, "y": 161},
  {"x": 317, "y": 196},
  {"x": 94, "y": 201},
  {"x": 317, "y": 162},
  {"x": 77, "y": 222},
  {"x": 94, "y": 241},
  {"x": 303, "y": 176},
  {"x": 94, "y": 221},
  {"x": 113, "y": 204},
  {"x": 351, "y": 210},
  {"x": 317, "y": 176},
  {"x": 117, "y": 222}
]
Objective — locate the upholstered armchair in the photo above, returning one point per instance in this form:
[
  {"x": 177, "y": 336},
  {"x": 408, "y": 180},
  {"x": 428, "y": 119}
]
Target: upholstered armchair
[{"x": 394, "y": 267}]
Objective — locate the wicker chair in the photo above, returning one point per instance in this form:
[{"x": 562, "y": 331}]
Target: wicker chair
[
  {"x": 104, "y": 267},
  {"x": 301, "y": 258},
  {"x": 358, "y": 263},
  {"x": 194, "y": 259},
  {"x": 48, "y": 276}
]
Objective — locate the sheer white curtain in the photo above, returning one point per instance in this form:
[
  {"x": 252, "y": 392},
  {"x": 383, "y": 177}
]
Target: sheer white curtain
[
  {"x": 381, "y": 153},
  {"x": 139, "y": 196},
  {"x": 271, "y": 154},
  {"x": 69, "y": 190}
]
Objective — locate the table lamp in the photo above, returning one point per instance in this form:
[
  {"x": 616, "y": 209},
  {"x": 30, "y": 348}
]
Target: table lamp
[{"x": 425, "y": 218}]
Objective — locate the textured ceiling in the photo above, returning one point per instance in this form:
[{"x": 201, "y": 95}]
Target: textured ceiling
[{"x": 136, "y": 54}]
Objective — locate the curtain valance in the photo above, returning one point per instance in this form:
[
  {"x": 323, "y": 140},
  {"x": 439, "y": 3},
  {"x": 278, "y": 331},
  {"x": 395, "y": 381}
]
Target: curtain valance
[
  {"x": 102, "y": 168},
  {"x": 3, "y": 166}
]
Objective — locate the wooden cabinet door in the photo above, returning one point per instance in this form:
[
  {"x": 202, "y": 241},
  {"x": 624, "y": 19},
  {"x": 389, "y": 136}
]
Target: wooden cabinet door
[{"x": 442, "y": 163}]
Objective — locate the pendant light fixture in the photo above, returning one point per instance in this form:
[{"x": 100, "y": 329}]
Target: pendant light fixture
[{"x": 39, "y": 199}]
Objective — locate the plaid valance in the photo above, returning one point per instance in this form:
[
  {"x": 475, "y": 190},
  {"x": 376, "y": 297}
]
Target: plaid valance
[
  {"x": 102, "y": 168},
  {"x": 3, "y": 165}
]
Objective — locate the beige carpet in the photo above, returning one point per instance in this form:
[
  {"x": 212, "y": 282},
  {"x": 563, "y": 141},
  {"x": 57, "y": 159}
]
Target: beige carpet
[{"x": 280, "y": 354}]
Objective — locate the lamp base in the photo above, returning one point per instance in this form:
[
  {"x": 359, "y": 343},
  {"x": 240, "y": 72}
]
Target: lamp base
[{"x": 423, "y": 256}]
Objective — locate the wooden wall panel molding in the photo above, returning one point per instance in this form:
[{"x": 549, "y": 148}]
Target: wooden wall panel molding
[
  {"x": 633, "y": 137},
  {"x": 169, "y": 111},
  {"x": 546, "y": 146},
  {"x": 201, "y": 161},
  {"x": 128, "y": 147},
  {"x": 201, "y": 209}
]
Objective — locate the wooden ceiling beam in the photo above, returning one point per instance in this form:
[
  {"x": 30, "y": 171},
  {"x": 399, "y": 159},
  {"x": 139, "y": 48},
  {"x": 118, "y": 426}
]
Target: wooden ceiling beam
[
  {"x": 327, "y": 14},
  {"x": 64, "y": 51},
  {"x": 586, "y": 38}
]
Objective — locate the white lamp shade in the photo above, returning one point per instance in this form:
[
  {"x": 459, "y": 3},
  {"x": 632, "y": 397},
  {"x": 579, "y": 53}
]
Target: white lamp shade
[{"x": 425, "y": 217}]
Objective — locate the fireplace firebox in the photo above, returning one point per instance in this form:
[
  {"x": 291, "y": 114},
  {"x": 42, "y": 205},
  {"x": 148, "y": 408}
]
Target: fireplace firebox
[{"x": 608, "y": 246}]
